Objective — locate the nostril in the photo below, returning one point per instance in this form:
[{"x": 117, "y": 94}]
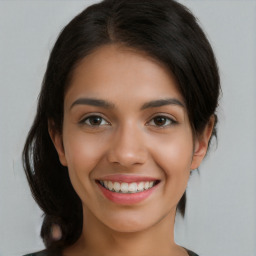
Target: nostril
[{"x": 127, "y": 158}]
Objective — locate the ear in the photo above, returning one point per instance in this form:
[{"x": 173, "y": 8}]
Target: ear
[
  {"x": 201, "y": 144},
  {"x": 56, "y": 137}
]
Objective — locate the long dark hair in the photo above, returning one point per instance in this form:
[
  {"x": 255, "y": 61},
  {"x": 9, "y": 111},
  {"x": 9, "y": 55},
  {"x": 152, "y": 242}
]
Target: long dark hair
[{"x": 163, "y": 29}]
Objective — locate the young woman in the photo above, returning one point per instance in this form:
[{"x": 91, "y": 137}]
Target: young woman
[{"x": 126, "y": 112}]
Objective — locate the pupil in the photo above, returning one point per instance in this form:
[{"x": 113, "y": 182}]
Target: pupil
[
  {"x": 95, "y": 120},
  {"x": 160, "y": 120}
]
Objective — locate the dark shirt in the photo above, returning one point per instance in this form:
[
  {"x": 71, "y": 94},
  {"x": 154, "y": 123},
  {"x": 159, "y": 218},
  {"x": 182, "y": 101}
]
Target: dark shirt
[{"x": 50, "y": 253}]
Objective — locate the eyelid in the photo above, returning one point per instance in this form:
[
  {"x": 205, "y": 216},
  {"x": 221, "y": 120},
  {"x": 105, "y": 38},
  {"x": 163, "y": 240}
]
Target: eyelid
[
  {"x": 87, "y": 116},
  {"x": 173, "y": 121}
]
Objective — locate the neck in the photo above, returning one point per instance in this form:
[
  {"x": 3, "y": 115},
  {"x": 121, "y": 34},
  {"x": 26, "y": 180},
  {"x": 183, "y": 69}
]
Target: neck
[{"x": 99, "y": 239}]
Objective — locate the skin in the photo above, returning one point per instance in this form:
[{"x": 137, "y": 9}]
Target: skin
[{"x": 127, "y": 140}]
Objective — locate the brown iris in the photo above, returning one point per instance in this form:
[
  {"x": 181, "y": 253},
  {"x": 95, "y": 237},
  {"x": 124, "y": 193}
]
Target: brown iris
[
  {"x": 95, "y": 120},
  {"x": 160, "y": 120}
]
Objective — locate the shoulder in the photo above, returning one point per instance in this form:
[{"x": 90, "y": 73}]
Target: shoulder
[
  {"x": 49, "y": 253},
  {"x": 44, "y": 253},
  {"x": 190, "y": 253},
  {"x": 41, "y": 253}
]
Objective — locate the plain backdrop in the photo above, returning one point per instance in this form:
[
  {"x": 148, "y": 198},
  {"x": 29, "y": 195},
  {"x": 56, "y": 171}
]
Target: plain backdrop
[{"x": 221, "y": 209}]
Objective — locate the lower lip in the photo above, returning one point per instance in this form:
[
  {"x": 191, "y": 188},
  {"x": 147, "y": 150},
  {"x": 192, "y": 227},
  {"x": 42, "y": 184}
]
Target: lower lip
[{"x": 126, "y": 198}]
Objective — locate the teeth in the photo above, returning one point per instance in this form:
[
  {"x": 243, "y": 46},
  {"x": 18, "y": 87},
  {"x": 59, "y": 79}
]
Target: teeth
[
  {"x": 133, "y": 187},
  {"x": 117, "y": 186},
  {"x": 140, "y": 186},
  {"x": 110, "y": 185},
  {"x": 124, "y": 187},
  {"x": 127, "y": 187}
]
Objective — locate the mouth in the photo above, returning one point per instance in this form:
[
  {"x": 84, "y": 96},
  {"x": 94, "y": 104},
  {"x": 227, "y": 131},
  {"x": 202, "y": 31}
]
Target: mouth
[{"x": 127, "y": 187}]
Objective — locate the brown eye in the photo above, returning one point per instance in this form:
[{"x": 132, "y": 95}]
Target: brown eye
[
  {"x": 161, "y": 121},
  {"x": 95, "y": 121}
]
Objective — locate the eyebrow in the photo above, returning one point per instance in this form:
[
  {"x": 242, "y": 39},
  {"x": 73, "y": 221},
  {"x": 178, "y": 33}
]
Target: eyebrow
[
  {"x": 110, "y": 105},
  {"x": 162, "y": 102},
  {"x": 93, "y": 102}
]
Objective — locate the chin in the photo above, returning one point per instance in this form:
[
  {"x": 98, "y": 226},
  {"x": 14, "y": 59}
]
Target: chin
[
  {"x": 128, "y": 225},
  {"x": 121, "y": 228}
]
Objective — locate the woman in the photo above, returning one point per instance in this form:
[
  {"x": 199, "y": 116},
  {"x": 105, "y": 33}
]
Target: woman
[{"x": 126, "y": 112}]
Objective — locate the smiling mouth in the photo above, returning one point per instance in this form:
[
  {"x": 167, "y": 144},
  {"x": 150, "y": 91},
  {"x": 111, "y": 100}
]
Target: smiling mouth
[{"x": 127, "y": 188}]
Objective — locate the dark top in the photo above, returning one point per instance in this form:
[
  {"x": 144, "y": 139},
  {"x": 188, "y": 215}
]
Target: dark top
[{"x": 51, "y": 253}]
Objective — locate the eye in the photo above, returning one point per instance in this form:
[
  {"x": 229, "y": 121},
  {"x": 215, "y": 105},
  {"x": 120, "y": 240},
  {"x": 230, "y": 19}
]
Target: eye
[
  {"x": 161, "y": 121},
  {"x": 94, "y": 120}
]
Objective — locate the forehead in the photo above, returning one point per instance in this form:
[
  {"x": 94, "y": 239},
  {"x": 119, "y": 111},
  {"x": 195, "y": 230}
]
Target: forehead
[{"x": 115, "y": 72}]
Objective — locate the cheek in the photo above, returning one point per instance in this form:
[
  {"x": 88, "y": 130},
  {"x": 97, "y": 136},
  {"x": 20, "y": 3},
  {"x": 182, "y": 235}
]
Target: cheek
[
  {"x": 83, "y": 152},
  {"x": 174, "y": 157},
  {"x": 82, "y": 149},
  {"x": 176, "y": 147}
]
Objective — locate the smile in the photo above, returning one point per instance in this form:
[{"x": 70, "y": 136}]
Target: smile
[
  {"x": 124, "y": 187},
  {"x": 127, "y": 189}
]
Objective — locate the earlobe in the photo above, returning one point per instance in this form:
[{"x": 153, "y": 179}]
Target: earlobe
[
  {"x": 201, "y": 144},
  {"x": 56, "y": 138}
]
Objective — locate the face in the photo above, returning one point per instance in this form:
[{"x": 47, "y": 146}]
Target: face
[{"x": 126, "y": 139}]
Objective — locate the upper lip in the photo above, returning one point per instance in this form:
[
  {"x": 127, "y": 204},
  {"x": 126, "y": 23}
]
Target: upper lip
[{"x": 126, "y": 178}]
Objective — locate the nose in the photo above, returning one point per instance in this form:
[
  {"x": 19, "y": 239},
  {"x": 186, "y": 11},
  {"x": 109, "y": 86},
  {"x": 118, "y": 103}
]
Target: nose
[{"x": 127, "y": 147}]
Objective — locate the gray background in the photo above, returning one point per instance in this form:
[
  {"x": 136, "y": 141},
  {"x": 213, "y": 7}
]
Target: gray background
[{"x": 221, "y": 208}]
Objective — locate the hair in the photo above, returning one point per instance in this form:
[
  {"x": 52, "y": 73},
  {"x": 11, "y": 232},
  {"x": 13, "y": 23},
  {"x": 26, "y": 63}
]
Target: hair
[{"x": 166, "y": 31}]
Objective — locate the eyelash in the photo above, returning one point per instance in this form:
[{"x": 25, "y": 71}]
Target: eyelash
[
  {"x": 170, "y": 120},
  {"x": 88, "y": 118},
  {"x": 86, "y": 121}
]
